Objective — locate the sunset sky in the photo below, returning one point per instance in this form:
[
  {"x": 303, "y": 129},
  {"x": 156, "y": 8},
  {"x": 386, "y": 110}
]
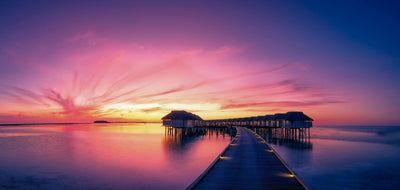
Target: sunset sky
[{"x": 337, "y": 61}]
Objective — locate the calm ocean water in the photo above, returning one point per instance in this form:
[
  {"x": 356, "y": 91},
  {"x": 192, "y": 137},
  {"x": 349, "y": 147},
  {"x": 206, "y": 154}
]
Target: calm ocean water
[
  {"x": 104, "y": 156},
  {"x": 346, "y": 157},
  {"x": 144, "y": 156}
]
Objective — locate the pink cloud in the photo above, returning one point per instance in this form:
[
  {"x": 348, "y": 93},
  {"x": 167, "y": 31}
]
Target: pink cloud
[
  {"x": 286, "y": 104},
  {"x": 87, "y": 79}
]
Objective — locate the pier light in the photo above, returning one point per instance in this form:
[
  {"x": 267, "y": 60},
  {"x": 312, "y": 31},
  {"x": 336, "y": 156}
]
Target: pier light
[
  {"x": 289, "y": 175},
  {"x": 270, "y": 150},
  {"x": 233, "y": 144},
  {"x": 224, "y": 157}
]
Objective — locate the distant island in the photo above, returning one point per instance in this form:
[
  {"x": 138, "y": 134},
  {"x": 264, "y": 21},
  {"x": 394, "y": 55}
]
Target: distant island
[{"x": 101, "y": 121}]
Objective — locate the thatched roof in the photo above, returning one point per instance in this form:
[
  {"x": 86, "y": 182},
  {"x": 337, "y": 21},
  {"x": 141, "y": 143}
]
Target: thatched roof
[
  {"x": 297, "y": 116},
  {"x": 289, "y": 116},
  {"x": 268, "y": 117},
  {"x": 259, "y": 118},
  {"x": 181, "y": 114},
  {"x": 247, "y": 119},
  {"x": 278, "y": 116}
]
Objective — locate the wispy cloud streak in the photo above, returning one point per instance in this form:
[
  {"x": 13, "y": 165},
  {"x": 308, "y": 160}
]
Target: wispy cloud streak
[
  {"x": 288, "y": 104},
  {"x": 24, "y": 95},
  {"x": 214, "y": 81}
]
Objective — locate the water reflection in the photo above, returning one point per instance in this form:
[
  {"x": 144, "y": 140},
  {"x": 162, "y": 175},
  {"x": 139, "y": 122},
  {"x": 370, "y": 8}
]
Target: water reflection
[
  {"x": 105, "y": 156},
  {"x": 179, "y": 138},
  {"x": 291, "y": 138},
  {"x": 344, "y": 157}
]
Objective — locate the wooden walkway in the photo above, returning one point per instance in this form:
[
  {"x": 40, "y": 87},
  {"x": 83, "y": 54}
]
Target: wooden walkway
[{"x": 248, "y": 163}]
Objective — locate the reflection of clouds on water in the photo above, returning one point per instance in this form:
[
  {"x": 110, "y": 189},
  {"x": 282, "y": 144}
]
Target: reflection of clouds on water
[
  {"x": 102, "y": 156},
  {"x": 347, "y": 157},
  {"x": 180, "y": 138},
  {"x": 373, "y": 134},
  {"x": 21, "y": 131},
  {"x": 378, "y": 130},
  {"x": 19, "y": 134}
]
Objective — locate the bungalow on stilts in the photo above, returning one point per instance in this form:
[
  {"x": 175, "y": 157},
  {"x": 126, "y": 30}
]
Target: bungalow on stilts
[{"x": 181, "y": 118}]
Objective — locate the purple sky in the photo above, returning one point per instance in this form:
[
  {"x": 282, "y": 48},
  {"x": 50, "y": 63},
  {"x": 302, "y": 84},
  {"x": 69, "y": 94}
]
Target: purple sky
[{"x": 338, "y": 61}]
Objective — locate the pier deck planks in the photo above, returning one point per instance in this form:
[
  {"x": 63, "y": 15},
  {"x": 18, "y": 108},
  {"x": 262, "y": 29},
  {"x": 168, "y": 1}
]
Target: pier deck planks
[{"x": 248, "y": 165}]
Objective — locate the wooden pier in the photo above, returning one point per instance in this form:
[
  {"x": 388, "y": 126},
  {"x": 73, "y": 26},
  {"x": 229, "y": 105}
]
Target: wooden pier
[{"x": 248, "y": 163}]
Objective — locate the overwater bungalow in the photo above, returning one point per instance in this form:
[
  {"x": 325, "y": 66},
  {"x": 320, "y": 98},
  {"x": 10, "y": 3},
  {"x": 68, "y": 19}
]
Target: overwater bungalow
[
  {"x": 181, "y": 118},
  {"x": 297, "y": 120},
  {"x": 268, "y": 120},
  {"x": 293, "y": 119},
  {"x": 278, "y": 120}
]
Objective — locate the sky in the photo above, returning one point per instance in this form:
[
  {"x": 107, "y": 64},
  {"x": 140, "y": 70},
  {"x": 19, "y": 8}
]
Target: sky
[{"x": 79, "y": 61}]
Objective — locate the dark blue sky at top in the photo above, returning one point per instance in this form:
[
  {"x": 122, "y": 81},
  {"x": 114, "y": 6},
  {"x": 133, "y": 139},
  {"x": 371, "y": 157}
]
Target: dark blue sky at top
[{"x": 285, "y": 30}]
